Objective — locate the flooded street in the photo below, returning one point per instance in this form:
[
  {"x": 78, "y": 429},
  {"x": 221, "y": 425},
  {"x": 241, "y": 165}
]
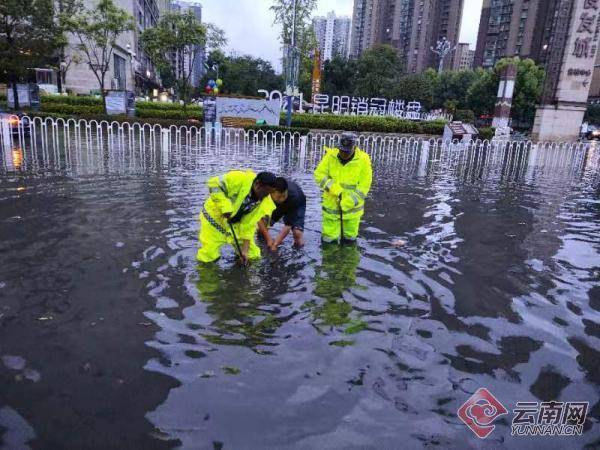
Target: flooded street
[{"x": 113, "y": 336}]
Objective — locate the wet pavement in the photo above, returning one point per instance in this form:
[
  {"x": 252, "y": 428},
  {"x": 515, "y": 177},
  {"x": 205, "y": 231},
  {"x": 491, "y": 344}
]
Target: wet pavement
[{"x": 112, "y": 336}]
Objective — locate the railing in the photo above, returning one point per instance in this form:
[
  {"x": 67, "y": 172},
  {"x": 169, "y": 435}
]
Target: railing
[{"x": 50, "y": 143}]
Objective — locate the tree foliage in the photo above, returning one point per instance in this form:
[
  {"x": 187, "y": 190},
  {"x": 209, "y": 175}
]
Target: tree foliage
[
  {"x": 172, "y": 46},
  {"x": 338, "y": 76},
  {"x": 97, "y": 30},
  {"x": 378, "y": 71},
  {"x": 28, "y": 37},
  {"x": 243, "y": 75},
  {"x": 377, "y": 74},
  {"x": 296, "y": 23},
  {"x": 285, "y": 16}
]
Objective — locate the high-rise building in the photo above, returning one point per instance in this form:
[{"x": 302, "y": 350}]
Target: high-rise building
[
  {"x": 463, "y": 59},
  {"x": 412, "y": 26},
  {"x": 514, "y": 28},
  {"x": 333, "y": 35},
  {"x": 364, "y": 18},
  {"x": 193, "y": 64}
]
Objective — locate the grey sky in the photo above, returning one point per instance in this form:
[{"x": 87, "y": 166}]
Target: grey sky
[{"x": 249, "y": 27}]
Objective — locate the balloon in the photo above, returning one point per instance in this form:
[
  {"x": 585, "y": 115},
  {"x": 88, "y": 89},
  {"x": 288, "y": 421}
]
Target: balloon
[
  {"x": 207, "y": 89},
  {"x": 219, "y": 82},
  {"x": 212, "y": 83},
  {"x": 215, "y": 91}
]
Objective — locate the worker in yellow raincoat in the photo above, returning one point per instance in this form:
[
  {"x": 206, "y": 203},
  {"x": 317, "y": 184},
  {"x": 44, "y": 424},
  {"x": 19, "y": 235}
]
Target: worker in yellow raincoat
[
  {"x": 344, "y": 174},
  {"x": 236, "y": 200}
]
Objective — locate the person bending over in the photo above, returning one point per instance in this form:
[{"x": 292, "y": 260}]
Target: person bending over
[
  {"x": 291, "y": 206},
  {"x": 236, "y": 203}
]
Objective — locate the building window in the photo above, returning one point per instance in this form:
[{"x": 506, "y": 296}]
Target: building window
[{"x": 119, "y": 72}]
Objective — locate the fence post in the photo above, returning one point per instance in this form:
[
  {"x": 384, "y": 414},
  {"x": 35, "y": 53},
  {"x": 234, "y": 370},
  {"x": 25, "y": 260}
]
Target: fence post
[
  {"x": 423, "y": 159},
  {"x": 165, "y": 146}
]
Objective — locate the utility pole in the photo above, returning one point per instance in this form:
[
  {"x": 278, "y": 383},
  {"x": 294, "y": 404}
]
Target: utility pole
[
  {"x": 291, "y": 69},
  {"x": 442, "y": 48}
]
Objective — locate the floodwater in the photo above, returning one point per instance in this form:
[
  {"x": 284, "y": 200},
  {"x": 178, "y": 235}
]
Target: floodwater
[{"x": 112, "y": 336}]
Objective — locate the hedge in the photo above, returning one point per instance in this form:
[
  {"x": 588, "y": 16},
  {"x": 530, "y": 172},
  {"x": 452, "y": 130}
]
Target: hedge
[
  {"x": 486, "y": 133},
  {"x": 70, "y": 109},
  {"x": 74, "y": 100},
  {"x": 167, "y": 106},
  {"x": 366, "y": 124},
  {"x": 89, "y": 106},
  {"x": 168, "y": 114}
]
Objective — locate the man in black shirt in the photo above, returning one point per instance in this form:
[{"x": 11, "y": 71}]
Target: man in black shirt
[{"x": 291, "y": 206}]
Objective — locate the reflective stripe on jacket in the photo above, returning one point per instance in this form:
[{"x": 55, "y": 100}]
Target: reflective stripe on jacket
[
  {"x": 352, "y": 180},
  {"x": 226, "y": 194}
]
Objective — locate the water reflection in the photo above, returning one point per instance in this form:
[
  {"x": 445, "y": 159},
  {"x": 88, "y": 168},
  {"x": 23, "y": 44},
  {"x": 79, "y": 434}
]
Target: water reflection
[
  {"x": 234, "y": 299},
  {"x": 357, "y": 346},
  {"x": 336, "y": 275}
]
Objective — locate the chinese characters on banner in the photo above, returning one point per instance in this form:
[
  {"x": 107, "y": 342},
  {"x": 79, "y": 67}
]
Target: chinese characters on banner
[
  {"x": 587, "y": 31},
  {"x": 365, "y": 106}
]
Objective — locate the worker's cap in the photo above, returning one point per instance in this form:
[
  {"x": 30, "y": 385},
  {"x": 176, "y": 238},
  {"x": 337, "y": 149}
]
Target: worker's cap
[
  {"x": 266, "y": 178},
  {"x": 348, "y": 142}
]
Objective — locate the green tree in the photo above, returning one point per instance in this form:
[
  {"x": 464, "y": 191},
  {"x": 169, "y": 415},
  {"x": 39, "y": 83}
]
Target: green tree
[
  {"x": 338, "y": 76},
  {"x": 28, "y": 38},
  {"x": 65, "y": 9},
  {"x": 378, "y": 71},
  {"x": 286, "y": 14},
  {"x": 454, "y": 86},
  {"x": 243, "y": 75},
  {"x": 294, "y": 17},
  {"x": 180, "y": 34},
  {"x": 481, "y": 95},
  {"x": 528, "y": 89},
  {"x": 97, "y": 30},
  {"x": 418, "y": 87}
]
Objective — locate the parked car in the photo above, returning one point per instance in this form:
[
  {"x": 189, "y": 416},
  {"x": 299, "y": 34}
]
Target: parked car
[
  {"x": 15, "y": 120},
  {"x": 593, "y": 133}
]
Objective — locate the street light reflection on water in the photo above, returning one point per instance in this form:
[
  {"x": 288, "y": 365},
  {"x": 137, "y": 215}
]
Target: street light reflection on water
[{"x": 495, "y": 285}]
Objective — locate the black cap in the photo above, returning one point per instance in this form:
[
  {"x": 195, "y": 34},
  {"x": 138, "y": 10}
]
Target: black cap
[
  {"x": 266, "y": 178},
  {"x": 348, "y": 142}
]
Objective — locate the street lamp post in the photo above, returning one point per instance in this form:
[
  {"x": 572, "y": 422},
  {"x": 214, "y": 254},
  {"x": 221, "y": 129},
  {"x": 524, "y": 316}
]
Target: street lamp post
[
  {"x": 291, "y": 69},
  {"x": 442, "y": 48}
]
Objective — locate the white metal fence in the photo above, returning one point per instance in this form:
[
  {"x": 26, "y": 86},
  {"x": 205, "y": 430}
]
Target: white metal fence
[{"x": 49, "y": 143}]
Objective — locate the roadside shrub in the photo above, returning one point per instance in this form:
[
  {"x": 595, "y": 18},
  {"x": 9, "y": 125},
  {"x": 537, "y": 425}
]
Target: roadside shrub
[
  {"x": 166, "y": 106},
  {"x": 464, "y": 115},
  {"x": 75, "y": 100},
  {"x": 486, "y": 133},
  {"x": 435, "y": 128},
  {"x": 366, "y": 124},
  {"x": 592, "y": 114},
  {"x": 70, "y": 109},
  {"x": 168, "y": 114}
]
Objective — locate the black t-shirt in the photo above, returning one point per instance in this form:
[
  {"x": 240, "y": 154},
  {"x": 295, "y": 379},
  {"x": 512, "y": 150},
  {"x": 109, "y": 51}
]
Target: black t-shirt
[{"x": 292, "y": 209}]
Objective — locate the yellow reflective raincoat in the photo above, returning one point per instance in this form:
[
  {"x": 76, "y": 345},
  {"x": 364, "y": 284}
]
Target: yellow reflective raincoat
[
  {"x": 226, "y": 194},
  {"x": 353, "y": 181}
]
